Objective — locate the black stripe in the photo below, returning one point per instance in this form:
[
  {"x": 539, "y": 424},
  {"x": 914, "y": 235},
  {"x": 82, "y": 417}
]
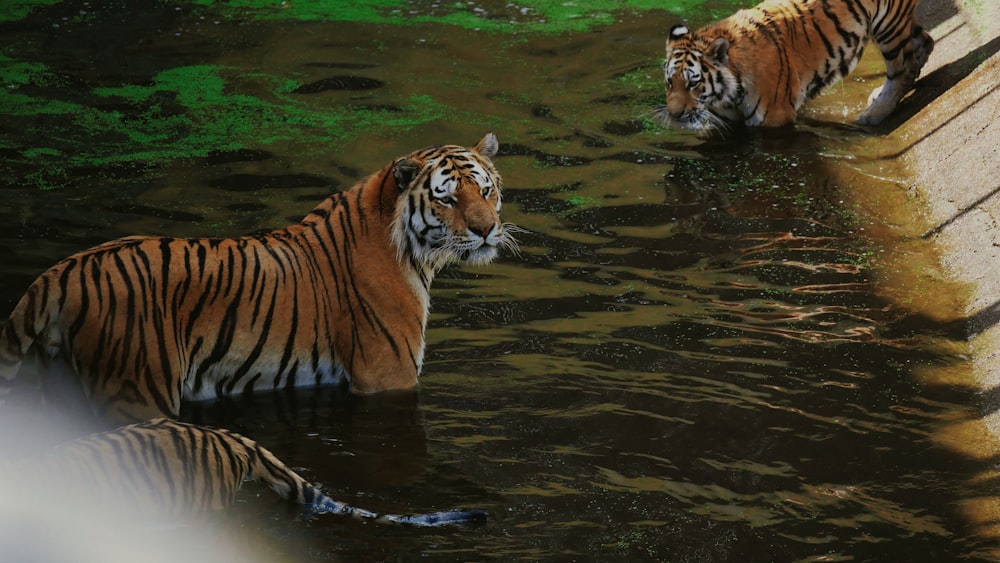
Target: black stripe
[
  {"x": 279, "y": 473},
  {"x": 360, "y": 210},
  {"x": 292, "y": 331},
  {"x": 228, "y": 465},
  {"x": 81, "y": 285},
  {"x": 153, "y": 457},
  {"x": 228, "y": 327},
  {"x": 259, "y": 347},
  {"x": 886, "y": 31}
]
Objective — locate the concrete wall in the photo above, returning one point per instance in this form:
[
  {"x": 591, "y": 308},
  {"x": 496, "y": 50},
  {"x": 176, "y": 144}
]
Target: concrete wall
[{"x": 951, "y": 146}]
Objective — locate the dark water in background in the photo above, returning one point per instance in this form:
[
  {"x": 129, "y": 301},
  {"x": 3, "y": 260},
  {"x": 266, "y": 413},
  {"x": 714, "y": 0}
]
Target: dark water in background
[{"x": 691, "y": 359}]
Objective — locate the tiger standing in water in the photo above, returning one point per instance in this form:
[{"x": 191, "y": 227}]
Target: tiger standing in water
[
  {"x": 163, "y": 469},
  {"x": 760, "y": 65},
  {"x": 141, "y": 323}
]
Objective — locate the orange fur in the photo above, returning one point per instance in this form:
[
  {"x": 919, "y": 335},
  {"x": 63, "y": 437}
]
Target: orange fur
[
  {"x": 144, "y": 322},
  {"x": 758, "y": 66}
]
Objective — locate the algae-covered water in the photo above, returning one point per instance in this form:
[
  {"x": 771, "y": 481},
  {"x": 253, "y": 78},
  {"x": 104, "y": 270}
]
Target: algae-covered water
[{"x": 705, "y": 350}]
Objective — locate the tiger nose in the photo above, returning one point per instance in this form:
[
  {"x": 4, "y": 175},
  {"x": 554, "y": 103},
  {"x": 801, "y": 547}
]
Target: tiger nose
[
  {"x": 676, "y": 105},
  {"x": 483, "y": 231}
]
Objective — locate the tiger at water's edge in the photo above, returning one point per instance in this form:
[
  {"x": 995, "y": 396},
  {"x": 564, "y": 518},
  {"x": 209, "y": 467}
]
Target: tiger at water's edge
[
  {"x": 760, "y": 65},
  {"x": 141, "y": 323},
  {"x": 162, "y": 469}
]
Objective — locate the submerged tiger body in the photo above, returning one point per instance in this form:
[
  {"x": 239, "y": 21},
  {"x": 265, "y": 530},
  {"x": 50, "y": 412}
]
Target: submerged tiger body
[
  {"x": 759, "y": 66},
  {"x": 162, "y": 469},
  {"x": 141, "y": 323}
]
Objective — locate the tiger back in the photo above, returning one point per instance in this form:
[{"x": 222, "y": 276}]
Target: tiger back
[
  {"x": 164, "y": 469},
  {"x": 760, "y": 65},
  {"x": 139, "y": 324}
]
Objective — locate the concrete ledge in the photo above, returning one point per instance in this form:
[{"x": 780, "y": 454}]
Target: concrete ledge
[
  {"x": 948, "y": 138},
  {"x": 952, "y": 147}
]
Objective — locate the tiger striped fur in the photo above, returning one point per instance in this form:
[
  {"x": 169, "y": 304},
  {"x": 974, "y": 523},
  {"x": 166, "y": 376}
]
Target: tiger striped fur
[
  {"x": 142, "y": 323},
  {"x": 163, "y": 468},
  {"x": 760, "y": 65}
]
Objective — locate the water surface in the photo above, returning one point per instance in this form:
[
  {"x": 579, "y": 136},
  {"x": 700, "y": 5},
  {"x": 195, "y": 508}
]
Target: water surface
[{"x": 694, "y": 357}]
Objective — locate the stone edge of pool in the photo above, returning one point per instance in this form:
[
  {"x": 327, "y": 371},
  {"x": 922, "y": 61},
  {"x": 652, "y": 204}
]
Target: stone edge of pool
[{"x": 951, "y": 149}]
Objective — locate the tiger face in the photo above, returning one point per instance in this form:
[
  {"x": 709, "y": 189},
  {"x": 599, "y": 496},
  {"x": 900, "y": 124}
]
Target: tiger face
[
  {"x": 451, "y": 211},
  {"x": 702, "y": 91}
]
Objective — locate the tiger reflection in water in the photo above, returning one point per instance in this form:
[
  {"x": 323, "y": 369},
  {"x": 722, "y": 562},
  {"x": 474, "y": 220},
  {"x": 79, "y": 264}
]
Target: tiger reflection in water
[{"x": 166, "y": 469}]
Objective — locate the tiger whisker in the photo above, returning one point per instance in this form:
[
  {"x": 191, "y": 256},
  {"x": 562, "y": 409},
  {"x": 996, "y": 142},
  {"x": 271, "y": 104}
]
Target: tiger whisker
[
  {"x": 508, "y": 241},
  {"x": 716, "y": 125}
]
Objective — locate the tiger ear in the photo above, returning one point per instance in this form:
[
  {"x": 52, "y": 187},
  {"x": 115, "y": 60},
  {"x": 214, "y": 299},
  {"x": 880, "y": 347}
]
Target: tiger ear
[
  {"x": 677, "y": 32},
  {"x": 488, "y": 146},
  {"x": 719, "y": 51},
  {"x": 404, "y": 172}
]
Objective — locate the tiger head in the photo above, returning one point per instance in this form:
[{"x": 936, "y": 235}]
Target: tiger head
[
  {"x": 702, "y": 90},
  {"x": 449, "y": 210}
]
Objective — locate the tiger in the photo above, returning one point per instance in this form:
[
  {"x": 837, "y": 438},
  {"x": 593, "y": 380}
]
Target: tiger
[
  {"x": 142, "y": 323},
  {"x": 164, "y": 469},
  {"x": 760, "y": 65}
]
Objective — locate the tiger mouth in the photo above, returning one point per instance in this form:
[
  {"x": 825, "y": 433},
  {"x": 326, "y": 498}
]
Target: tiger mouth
[
  {"x": 690, "y": 119},
  {"x": 484, "y": 246},
  {"x": 485, "y": 251}
]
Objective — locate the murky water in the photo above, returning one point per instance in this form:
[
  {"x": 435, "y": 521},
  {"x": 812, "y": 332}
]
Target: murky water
[{"x": 691, "y": 359}]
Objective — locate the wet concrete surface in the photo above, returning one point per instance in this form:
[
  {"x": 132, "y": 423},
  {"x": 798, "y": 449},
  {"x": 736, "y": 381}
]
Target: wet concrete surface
[{"x": 951, "y": 146}]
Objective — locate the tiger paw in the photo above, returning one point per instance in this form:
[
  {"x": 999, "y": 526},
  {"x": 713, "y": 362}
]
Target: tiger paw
[{"x": 878, "y": 108}]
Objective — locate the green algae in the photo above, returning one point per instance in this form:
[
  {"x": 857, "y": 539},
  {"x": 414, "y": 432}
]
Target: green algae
[
  {"x": 543, "y": 16},
  {"x": 14, "y": 10},
  {"x": 15, "y": 73},
  {"x": 538, "y": 16},
  {"x": 195, "y": 110},
  {"x": 184, "y": 112}
]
